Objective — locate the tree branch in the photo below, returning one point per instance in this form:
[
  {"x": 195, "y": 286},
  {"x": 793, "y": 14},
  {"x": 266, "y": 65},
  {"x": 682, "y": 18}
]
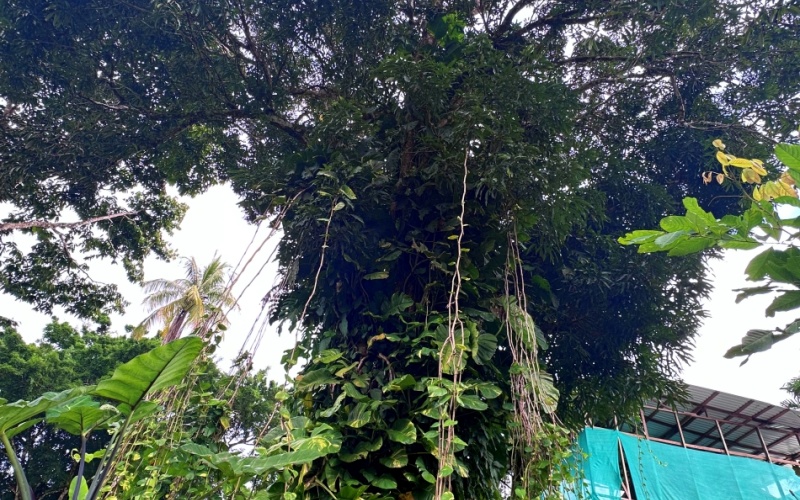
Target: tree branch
[{"x": 12, "y": 226}]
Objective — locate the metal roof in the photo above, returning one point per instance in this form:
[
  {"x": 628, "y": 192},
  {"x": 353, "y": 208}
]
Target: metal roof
[{"x": 717, "y": 421}]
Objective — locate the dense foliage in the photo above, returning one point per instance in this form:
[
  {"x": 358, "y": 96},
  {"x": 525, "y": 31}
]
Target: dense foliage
[
  {"x": 770, "y": 220},
  {"x": 446, "y": 174},
  {"x": 66, "y": 358}
]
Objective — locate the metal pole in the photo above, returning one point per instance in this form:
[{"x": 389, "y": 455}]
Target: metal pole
[
  {"x": 764, "y": 445},
  {"x": 626, "y": 484},
  {"x": 680, "y": 429},
  {"x": 722, "y": 437},
  {"x": 644, "y": 424}
]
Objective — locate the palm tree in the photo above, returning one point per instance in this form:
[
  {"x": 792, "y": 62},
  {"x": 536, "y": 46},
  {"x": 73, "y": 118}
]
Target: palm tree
[{"x": 176, "y": 304}]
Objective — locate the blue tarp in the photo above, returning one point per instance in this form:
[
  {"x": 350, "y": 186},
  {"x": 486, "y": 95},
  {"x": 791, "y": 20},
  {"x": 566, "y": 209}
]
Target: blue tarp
[{"x": 664, "y": 472}]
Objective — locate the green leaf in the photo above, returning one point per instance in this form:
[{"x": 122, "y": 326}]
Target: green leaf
[
  {"x": 77, "y": 416},
  {"x": 666, "y": 241},
  {"x": 328, "y": 356},
  {"x": 675, "y": 223},
  {"x": 14, "y": 414},
  {"x": 453, "y": 359},
  {"x": 792, "y": 328},
  {"x": 437, "y": 392},
  {"x": 548, "y": 394},
  {"x": 754, "y": 341},
  {"x": 488, "y": 390},
  {"x": 789, "y": 155},
  {"x": 524, "y": 327},
  {"x": 329, "y": 412},
  {"x": 315, "y": 378},
  {"x": 401, "y": 383},
  {"x": 690, "y": 246},
  {"x": 784, "y": 302},
  {"x": 403, "y": 431},
  {"x": 359, "y": 416},
  {"x": 162, "y": 367},
  {"x": 398, "y": 303},
  {"x": 639, "y": 237},
  {"x": 749, "y": 292},
  {"x": 345, "y": 190},
  {"x": 483, "y": 348},
  {"x": 83, "y": 488},
  {"x": 398, "y": 459},
  {"x": 698, "y": 217},
  {"x": 13, "y": 431},
  {"x": 380, "y": 275},
  {"x": 471, "y": 402},
  {"x": 362, "y": 450},
  {"x": 305, "y": 450},
  {"x": 384, "y": 482},
  {"x": 757, "y": 268},
  {"x": 739, "y": 244}
]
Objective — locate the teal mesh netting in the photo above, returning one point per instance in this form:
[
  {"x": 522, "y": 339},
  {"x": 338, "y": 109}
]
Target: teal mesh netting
[{"x": 664, "y": 472}]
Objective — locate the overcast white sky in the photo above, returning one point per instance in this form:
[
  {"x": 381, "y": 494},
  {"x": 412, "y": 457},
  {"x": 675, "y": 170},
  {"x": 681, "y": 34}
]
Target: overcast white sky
[{"x": 214, "y": 224}]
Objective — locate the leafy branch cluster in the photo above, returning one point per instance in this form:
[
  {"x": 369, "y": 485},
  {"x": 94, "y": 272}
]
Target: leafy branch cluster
[{"x": 765, "y": 222}]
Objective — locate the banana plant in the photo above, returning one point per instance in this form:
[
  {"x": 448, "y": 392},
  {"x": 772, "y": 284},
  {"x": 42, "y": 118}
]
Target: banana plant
[
  {"x": 76, "y": 412},
  {"x": 19, "y": 416}
]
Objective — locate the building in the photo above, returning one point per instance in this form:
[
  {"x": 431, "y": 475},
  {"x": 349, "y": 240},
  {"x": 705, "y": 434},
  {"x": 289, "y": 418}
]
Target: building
[{"x": 715, "y": 446}]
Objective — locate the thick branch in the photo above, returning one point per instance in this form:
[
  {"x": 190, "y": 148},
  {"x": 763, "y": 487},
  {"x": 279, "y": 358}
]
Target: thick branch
[
  {"x": 12, "y": 226},
  {"x": 512, "y": 13}
]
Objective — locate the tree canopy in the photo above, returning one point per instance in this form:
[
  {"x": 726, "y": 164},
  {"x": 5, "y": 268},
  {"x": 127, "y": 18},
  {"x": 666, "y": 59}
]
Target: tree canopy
[{"x": 446, "y": 174}]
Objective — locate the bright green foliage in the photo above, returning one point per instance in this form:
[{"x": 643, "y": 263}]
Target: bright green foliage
[
  {"x": 415, "y": 155},
  {"x": 158, "y": 369},
  {"x": 69, "y": 357},
  {"x": 78, "y": 416},
  {"x": 64, "y": 358},
  {"x": 760, "y": 225},
  {"x": 150, "y": 372}
]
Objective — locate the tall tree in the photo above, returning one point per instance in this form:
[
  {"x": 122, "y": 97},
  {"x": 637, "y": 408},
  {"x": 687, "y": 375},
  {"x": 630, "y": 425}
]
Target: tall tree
[
  {"x": 187, "y": 302},
  {"x": 441, "y": 169}
]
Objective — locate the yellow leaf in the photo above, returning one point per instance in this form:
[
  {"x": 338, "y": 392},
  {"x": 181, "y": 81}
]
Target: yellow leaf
[
  {"x": 225, "y": 422},
  {"x": 718, "y": 144},
  {"x": 785, "y": 189},
  {"x": 720, "y": 178},
  {"x": 375, "y": 338},
  {"x": 724, "y": 159},
  {"x": 741, "y": 162},
  {"x": 750, "y": 176},
  {"x": 758, "y": 166}
]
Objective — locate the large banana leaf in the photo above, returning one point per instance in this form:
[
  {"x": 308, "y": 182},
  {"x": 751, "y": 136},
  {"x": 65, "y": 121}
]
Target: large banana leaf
[
  {"x": 162, "y": 367},
  {"x": 14, "y": 415},
  {"x": 77, "y": 416}
]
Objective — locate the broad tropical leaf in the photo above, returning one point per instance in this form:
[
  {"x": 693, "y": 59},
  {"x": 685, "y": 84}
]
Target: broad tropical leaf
[
  {"x": 162, "y": 367},
  {"x": 77, "y": 416},
  {"x": 14, "y": 414}
]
